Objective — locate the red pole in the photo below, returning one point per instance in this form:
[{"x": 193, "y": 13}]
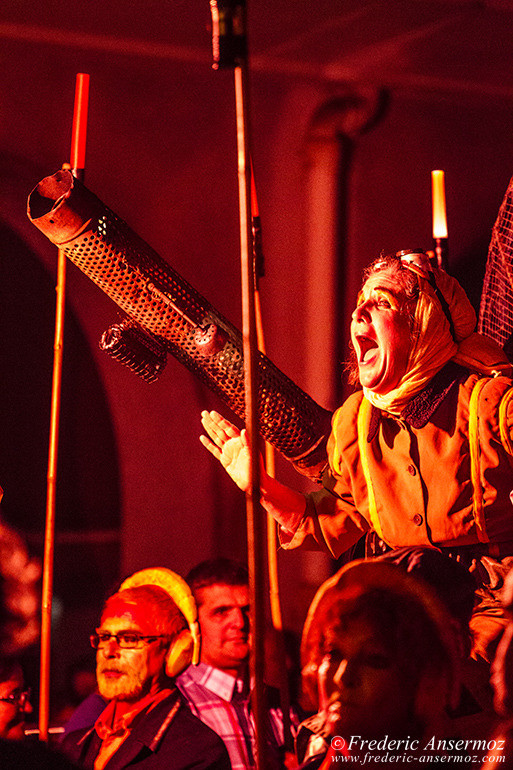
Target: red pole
[
  {"x": 272, "y": 538},
  {"x": 254, "y": 511},
  {"x": 229, "y": 46},
  {"x": 78, "y": 142},
  {"x": 79, "y": 130}
]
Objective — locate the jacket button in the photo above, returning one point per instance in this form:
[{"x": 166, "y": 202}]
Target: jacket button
[
  {"x": 412, "y": 470},
  {"x": 417, "y": 519}
]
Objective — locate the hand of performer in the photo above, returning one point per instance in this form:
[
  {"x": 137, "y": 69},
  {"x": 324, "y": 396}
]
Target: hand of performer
[{"x": 229, "y": 445}]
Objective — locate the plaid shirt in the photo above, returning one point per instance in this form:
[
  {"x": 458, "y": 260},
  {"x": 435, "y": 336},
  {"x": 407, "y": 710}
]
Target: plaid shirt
[{"x": 215, "y": 697}]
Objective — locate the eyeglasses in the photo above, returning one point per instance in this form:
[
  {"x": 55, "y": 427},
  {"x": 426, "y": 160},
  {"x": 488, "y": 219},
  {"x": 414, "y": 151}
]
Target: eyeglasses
[
  {"x": 126, "y": 640},
  {"x": 17, "y": 698}
]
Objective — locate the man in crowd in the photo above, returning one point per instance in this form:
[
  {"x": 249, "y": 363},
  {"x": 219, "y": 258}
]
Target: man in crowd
[
  {"x": 381, "y": 665},
  {"x": 19, "y": 628},
  {"x": 15, "y": 703},
  {"x": 146, "y": 724},
  {"x": 218, "y": 690}
]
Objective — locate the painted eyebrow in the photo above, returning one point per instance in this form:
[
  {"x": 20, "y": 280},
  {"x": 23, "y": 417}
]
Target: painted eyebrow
[{"x": 380, "y": 290}]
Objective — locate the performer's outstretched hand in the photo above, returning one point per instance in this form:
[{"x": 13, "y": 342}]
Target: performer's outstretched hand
[{"x": 229, "y": 445}]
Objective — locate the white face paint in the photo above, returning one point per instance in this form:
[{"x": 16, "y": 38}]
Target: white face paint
[{"x": 380, "y": 332}]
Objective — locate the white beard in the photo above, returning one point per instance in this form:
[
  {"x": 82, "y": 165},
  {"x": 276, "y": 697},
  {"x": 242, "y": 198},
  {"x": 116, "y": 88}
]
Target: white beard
[{"x": 129, "y": 686}]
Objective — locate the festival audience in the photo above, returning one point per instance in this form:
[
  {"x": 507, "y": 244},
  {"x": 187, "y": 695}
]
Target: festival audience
[
  {"x": 142, "y": 643},
  {"x": 218, "y": 690},
  {"x": 381, "y": 663},
  {"x": 19, "y": 628},
  {"x": 14, "y": 700}
]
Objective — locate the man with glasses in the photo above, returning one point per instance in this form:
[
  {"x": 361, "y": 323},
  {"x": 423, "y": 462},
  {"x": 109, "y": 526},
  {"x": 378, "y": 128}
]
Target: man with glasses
[
  {"x": 145, "y": 723},
  {"x": 19, "y": 626},
  {"x": 14, "y": 701}
]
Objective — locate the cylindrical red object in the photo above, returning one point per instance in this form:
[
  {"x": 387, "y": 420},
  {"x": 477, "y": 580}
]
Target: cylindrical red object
[
  {"x": 79, "y": 130},
  {"x": 130, "y": 272}
]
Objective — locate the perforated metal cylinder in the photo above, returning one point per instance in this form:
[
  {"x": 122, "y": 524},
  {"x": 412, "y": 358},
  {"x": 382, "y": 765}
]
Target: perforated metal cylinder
[
  {"x": 133, "y": 347},
  {"x": 132, "y": 274}
]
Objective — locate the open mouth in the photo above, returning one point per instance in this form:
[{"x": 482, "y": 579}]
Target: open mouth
[{"x": 367, "y": 348}]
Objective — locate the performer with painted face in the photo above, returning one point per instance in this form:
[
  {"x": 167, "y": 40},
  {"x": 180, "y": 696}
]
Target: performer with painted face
[{"x": 420, "y": 455}]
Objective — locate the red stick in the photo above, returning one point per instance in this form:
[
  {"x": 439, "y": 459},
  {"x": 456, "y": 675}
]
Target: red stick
[
  {"x": 78, "y": 141},
  {"x": 79, "y": 131},
  {"x": 254, "y": 201}
]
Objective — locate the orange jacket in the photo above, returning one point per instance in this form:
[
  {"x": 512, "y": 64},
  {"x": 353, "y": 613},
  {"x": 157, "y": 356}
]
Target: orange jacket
[{"x": 420, "y": 471}]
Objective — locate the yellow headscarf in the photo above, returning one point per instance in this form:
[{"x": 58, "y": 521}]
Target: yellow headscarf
[{"x": 433, "y": 342}]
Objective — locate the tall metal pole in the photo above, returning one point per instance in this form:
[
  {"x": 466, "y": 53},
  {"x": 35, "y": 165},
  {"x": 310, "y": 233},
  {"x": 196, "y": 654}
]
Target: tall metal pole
[
  {"x": 77, "y": 165},
  {"x": 272, "y": 536},
  {"x": 230, "y": 50},
  {"x": 254, "y": 511}
]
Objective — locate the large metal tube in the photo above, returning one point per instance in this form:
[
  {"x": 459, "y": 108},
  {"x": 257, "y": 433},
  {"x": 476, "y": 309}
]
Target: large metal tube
[{"x": 131, "y": 273}]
